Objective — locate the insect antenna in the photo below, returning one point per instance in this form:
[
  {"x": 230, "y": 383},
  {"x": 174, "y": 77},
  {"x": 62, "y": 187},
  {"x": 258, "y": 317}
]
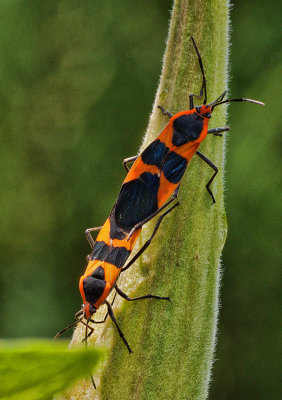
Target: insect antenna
[
  {"x": 202, "y": 69},
  {"x": 68, "y": 327},
  {"x": 219, "y": 99},
  {"x": 242, "y": 99}
]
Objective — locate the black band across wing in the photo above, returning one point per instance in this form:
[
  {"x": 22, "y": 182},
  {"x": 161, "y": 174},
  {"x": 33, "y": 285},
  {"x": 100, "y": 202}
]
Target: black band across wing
[
  {"x": 100, "y": 251},
  {"x": 93, "y": 288},
  {"x": 155, "y": 153},
  {"x": 174, "y": 167},
  {"x": 112, "y": 255},
  {"x": 137, "y": 200},
  {"x": 99, "y": 273}
]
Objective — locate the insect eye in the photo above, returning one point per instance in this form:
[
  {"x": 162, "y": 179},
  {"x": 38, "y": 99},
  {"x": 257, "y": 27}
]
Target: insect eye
[
  {"x": 198, "y": 109},
  {"x": 92, "y": 309},
  {"x": 207, "y": 115}
]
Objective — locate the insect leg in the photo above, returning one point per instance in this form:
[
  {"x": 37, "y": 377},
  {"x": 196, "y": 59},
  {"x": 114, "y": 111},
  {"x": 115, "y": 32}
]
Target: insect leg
[
  {"x": 112, "y": 316},
  {"x": 147, "y": 296},
  {"x": 214, "y": 167},
  {"x": 94, "y": 322},
  {"x": 85, "y": 341},
  {"x": 217, "y": 131},
  {"x": 89, "y": 237},
  {"x": 127, "y": 161},
  {"x": 107, "y": 313},
  {"x": 165, "y": 112},
  {"x": 93, "y": 382},
  {"x": 92, "y": 329},
  {"x": 88, "y": 327},
  {"x": 144, "y": 247},
  {"x": 141, "y": 223},
  {"x": 99, "y": 322},
  {"x": 198, "y": 96}
]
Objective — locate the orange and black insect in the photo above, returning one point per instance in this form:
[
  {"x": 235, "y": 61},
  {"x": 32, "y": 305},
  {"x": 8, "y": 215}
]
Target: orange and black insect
[{"x": 150, "y": 186}]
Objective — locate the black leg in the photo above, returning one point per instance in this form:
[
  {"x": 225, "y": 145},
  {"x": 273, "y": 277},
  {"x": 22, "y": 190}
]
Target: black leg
[
  {"x": 144, "y": 247},
  {"x": 198, "y": 96},
  {"x": 112, "y": 316},
  {"x": 147, "y": 296},
  {"x": 94, "y": 322},
  {"x": 214, "y": 167},
  {"x": 107, "y": 314},
  {"x": 217, "y": 131},
  {"x": 165, "y": 112},
  {"x": 85, "y": 341},
  {"x": 127, "y": 161},
  {"x": 89, "y": 237},
  {"x": 86, "y": 324},
  {"x": 191, "y": 101},
  {"x": 103, "y": 320},
  {"x": 93, "y": 382},
  {"x": 86, "y": 331},
  {"x": 141, "y": 223}
]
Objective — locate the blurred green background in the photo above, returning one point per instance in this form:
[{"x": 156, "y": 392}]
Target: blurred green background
[{"x": 77, "y": 82}]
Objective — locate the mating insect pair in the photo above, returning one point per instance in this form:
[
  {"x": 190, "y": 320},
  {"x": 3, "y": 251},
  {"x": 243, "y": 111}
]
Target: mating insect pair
[{"x": 149, "y": 189}]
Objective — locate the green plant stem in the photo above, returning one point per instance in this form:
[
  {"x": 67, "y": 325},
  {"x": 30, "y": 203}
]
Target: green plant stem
[{"x": 173, "y": 343}]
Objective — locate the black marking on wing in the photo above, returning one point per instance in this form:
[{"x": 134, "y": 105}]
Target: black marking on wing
[
  {"x": 155, "y": 153},
  {"x": 93, "y": 288},
  {"x": 99, "y": 273},
  {"x": 118, "y": 256},
  {"x": 187, "y": 128},
  {"x": 137, "y": 200},
  {"x": 174, "y": 167},
  {"x": 113, "y": 255},
  {"x": 99, "y": 251},
  {"x": 115, "y": 231}
]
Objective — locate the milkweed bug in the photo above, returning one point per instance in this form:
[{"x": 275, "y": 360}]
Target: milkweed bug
[{"x": 154, "y": 178}]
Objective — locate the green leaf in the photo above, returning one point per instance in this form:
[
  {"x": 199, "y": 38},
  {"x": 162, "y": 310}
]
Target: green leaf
[{"x": 39, "y": 369}]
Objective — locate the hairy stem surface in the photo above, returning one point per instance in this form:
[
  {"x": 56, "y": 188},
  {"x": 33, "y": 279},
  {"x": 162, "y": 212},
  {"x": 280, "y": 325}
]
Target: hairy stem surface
[{"x": 173, "y": 343}]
